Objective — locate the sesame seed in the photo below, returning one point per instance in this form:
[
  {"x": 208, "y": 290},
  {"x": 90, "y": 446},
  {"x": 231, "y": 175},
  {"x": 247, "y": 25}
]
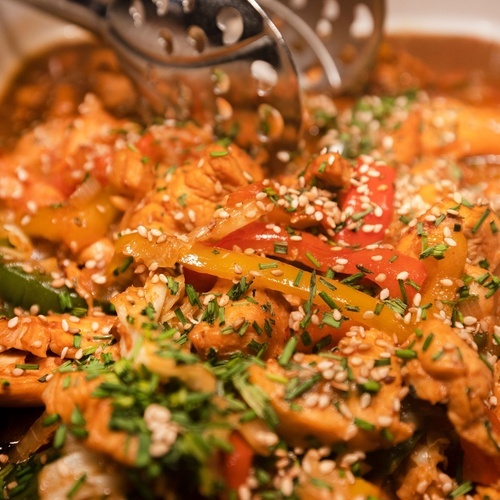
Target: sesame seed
[
  {"x": 469, "y": 320},
  {"x": 12, "y": 323},
  {"x": 446, "y": 282},
  {"x": 17, "y": 372},
  {"x": 384, "y": 420},
  {"x": 64, "y": 352}
]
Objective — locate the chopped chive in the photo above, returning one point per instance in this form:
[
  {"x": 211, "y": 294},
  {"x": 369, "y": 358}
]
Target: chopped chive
[
  {"x": 27, "y": 366},
  {"x": 51, "y": 419},
  {"x": 328, "y": 300},
  {"x": 439, "y": 354},
  {"x": 320, "y": 483},
  {"x": 484, "y": 359},
  {"x": 361, "y": 215},
  {"x": 298, "y": 278},
  {"x": 281, "y": 248},
  {"x": 180, "y": 315},
  {"x": 296, "y": 388},
  {"x": 489, "y": 431},
  {"x": 406, "y": 353},
  {"x": 274, "y": 377},
  {"x": 326, "y": 283},
  {"x": 216, "y": 154},
  {"x": 382, "y": 362},
  {"x": 428, "y": 342},
  {"x": 378, "y": 308},
  {"x": 329, "y": 320},
  {"x": 364, "y": 425},
  {"x": 77, "y": 341},
  {"x": 76, "y": 486},
  {"x": 440, "y": 219},
  {"x": 288, "y": 351},
  {"x": 60, "y": 437},
  {"x": 192, "y": 295},
  {"x": 370, "y": 386},
  {"x": 461, "y": 490},
  {"x": 270, "y": 265},
  {"x": 322, "y": 343},
  {"x": 307, "y": 340},
  {"x": 313, "y": 260},
  {"x": 479, "y": 223}
]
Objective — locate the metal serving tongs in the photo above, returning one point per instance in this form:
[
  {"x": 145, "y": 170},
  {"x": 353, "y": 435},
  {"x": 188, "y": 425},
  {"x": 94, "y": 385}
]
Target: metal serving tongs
[{"x": 240, "y": 65}]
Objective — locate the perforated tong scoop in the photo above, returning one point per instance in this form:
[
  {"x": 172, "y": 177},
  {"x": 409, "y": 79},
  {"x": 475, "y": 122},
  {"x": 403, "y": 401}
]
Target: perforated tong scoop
[{"x": 240, "y": 65}]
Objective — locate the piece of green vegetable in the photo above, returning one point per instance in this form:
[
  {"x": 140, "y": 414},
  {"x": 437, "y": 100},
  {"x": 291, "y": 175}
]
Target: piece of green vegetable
[{"x": 22, "y": 289}]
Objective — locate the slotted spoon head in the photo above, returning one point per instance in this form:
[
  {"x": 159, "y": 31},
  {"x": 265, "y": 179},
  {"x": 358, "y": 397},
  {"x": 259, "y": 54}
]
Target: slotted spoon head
[
  {"x": 237, "y": 64},
  {"x": 218, "y": 61},
  {"x": 333, "y": 42}
]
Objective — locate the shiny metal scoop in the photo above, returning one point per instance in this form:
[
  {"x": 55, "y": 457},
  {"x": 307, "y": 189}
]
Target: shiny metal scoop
[{"x": 238, "y": 64}]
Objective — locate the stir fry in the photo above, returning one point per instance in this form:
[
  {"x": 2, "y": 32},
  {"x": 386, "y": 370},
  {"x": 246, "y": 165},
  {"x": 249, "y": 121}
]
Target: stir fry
[{"x": 180, "y": 321}]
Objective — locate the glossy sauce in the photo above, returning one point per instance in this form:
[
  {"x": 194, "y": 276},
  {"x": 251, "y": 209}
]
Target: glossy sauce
[{"x": 54, "y": 83}]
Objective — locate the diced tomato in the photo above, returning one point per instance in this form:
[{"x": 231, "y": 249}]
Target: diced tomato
[
  {"x": 370, "y": 203},
  {"x": 314, "y": 253},
  {"x": 237, "y": 463}
]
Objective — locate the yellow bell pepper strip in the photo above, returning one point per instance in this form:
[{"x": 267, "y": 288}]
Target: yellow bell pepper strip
[
  {"x": 266, "y": 273},
  {"x": 79, "y": 221},
  {"x": 285, "y": 278}
]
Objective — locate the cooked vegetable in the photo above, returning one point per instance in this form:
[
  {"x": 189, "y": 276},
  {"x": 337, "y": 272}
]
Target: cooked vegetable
[{"x": 34, "y": 289}]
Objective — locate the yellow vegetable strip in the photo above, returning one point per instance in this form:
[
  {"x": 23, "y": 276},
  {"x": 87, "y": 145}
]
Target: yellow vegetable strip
[{"x": 275, "y": 275}]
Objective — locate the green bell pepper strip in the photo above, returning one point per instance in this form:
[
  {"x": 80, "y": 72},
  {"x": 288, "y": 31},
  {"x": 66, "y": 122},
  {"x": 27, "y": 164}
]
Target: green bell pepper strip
[{"x": 22, "y": 289}]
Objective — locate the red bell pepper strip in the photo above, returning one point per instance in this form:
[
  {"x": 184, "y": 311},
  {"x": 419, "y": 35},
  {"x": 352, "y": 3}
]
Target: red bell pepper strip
[
  {"x": 382, "y": 266},
  {"x": 368, "y": 203},
  {"x": 237, "y": 463}
]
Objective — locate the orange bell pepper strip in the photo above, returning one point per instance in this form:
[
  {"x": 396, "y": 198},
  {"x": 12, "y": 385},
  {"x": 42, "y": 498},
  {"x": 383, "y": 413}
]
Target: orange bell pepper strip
[{"x": 77, "y": 222}]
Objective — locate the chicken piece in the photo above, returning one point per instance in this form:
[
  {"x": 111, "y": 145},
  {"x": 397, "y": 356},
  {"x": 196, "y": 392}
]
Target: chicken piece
[
  {"x": 487, "y": 492},
  {"x": 330, "y": 169},
  {"x": 477, "y": 223},
  {"x": 322, "y": 478},
  {"x": 449, "y": 371},
  {"x": 481, "y": 310},
  {"x": 77, "y": 390},
  {"x": 49, "y": 162},
  {"x": 481, "y": 226},
  {"x": 22, "y": 378},
  {"x": 186, "y": 197},
  {"x": 421, "y": 474},
  {"x": 454, "y": 129},
  {"x": 65, "y": 335},
  {"x": 102, "y": 478},
  {"x": 353, "y": 397},
  {"x": 257, "y": 320}
]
